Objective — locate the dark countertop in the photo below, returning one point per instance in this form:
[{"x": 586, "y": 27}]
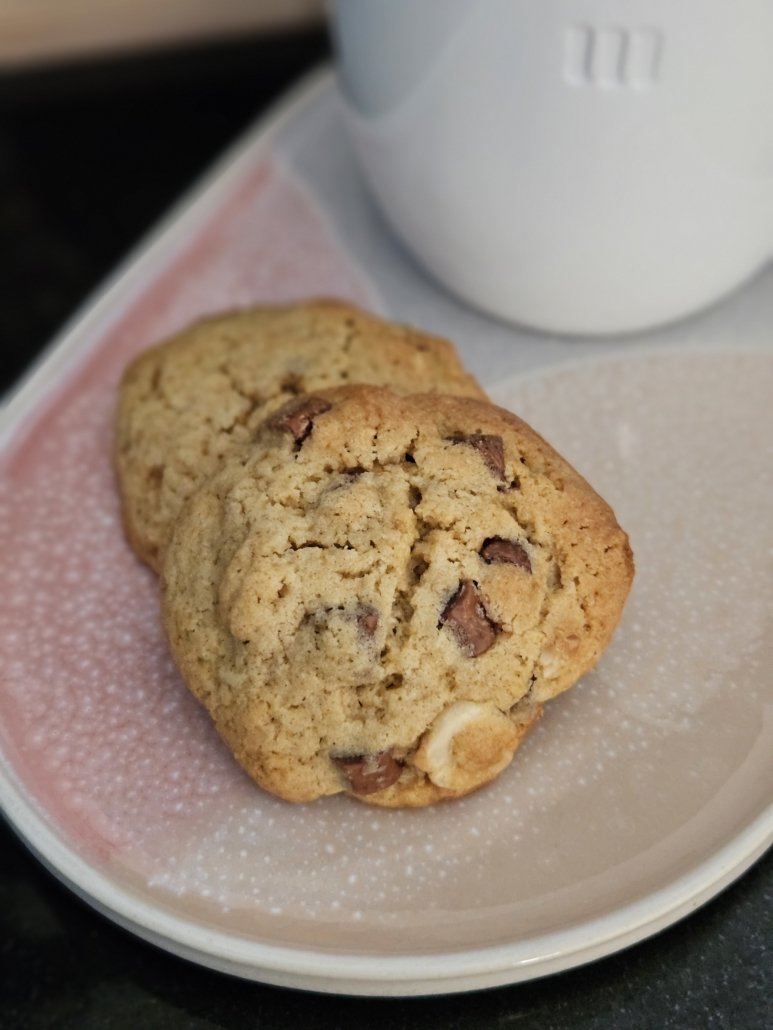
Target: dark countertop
[{"x": 90, "y": 157}]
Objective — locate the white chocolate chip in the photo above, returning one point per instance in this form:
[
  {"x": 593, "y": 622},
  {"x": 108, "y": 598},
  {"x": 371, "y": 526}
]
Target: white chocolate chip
[
  {"x": 550, "y": 662},
  {"x": 467, "y": 745},
  {"x": 553, "y": 658}
]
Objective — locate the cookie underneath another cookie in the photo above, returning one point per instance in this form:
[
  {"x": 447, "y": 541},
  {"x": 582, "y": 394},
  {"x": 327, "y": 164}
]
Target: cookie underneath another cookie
[
  {"x": 188, "y": 402},
  {"x": 379, "y": 595}
]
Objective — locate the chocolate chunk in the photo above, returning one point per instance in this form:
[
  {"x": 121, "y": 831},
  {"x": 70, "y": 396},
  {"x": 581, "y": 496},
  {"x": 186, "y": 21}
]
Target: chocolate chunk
[
  {"x": 497, "y": 549},
  {"x": 368, "y": 621},
  {"x": 490, "y": 448},
  {"x": 368, "y": 774},
  {"x": 465, "y": 614},
  {"x": 297, "y": 417}
]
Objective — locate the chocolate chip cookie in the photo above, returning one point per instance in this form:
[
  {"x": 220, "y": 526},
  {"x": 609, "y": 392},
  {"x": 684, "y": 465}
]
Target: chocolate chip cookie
[
  {"x": 381, "y": 592},
  {"x": 189, "y": 401}
]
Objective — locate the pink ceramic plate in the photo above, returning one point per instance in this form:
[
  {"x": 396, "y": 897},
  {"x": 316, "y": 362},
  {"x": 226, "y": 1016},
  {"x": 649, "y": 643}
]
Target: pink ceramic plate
[{"x": 643, "y": 792}]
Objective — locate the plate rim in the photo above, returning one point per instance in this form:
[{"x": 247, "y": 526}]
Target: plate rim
[
  {"x": 335, "y": 971},
  {"x": 412, "y": 973}
]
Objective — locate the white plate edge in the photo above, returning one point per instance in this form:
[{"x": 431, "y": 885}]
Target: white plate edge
[{"x": 409, "y": 974}]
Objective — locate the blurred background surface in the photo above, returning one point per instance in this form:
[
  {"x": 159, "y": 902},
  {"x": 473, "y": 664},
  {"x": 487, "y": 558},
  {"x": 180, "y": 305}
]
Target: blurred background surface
[
  {"x": 94, "y": 150},
  {"x": 38, "y": 31}
]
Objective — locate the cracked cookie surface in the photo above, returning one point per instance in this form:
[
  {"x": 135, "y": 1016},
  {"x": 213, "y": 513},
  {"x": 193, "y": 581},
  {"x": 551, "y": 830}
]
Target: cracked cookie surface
[
  {"x": 188, "y": 402},
  {"x": 379, "y": 595}
]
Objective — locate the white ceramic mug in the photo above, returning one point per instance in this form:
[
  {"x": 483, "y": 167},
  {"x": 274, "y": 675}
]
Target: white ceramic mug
[{"x": 581, "y": 166}]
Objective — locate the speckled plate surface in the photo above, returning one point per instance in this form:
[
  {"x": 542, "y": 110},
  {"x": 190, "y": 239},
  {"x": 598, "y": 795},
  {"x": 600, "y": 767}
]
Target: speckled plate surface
[{"x": 644, "y": 790}]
